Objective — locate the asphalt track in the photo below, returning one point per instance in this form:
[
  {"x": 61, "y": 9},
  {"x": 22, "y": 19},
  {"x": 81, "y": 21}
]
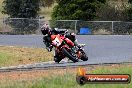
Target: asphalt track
[{"x": 99, "y": 48}]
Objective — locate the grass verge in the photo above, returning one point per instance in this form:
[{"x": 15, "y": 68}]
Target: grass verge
[
  {"x": 62, "y": 78},
  {"x": 19, "y": 55}
]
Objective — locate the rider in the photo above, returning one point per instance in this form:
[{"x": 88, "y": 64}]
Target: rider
[{"x": 47, "y": 31}]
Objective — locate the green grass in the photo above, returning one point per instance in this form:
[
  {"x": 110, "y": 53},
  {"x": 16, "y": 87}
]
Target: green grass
[
  {"x": 5, "y": 58},
  {"x": 67, "y": 80}
]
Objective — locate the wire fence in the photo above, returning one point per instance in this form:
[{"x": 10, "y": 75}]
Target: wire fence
[{"x": 32, "y": 26}]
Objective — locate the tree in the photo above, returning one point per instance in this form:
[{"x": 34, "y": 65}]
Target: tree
[
  {"x": 21, "y": 8},
  {"x": 113, "y": 11},
  {"x": 130, "y": 16},
  {"x": 130, "y": 1},
  {"x": 130, "y": 10},
  {"x": 76, "y": 9},
  {"x": 25, "y": 9}
]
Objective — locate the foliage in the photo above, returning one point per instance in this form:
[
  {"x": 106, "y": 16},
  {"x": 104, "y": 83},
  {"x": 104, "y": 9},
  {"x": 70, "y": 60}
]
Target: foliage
[
  {"x": 22, "y": 9},
  {"x": 76, "y": 9},
  {"x": 130, "y": 1},
  {"x": 112, "y": 11},
  {"x": 130, "y": 10}
]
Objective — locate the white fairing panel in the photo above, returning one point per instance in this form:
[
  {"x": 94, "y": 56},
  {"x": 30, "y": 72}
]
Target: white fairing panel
[{"x": 56, "y": 42}]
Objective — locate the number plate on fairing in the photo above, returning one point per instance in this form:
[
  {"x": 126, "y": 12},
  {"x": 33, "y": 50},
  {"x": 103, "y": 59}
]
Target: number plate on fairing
[{"x": 56, "y": 42}]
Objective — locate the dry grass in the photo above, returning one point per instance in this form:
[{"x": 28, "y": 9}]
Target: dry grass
[
  {"x": 35, "y": 74},
  {"x": 47, "y": 11},
  {"x": 102, "y": 32},
  {"x": 20, "y": 55}
]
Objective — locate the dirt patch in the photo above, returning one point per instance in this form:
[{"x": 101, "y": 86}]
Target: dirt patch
[{"x": 35, "y": 74}]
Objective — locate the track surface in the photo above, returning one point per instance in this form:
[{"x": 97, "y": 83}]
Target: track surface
[{"x": 100, "y": 48}]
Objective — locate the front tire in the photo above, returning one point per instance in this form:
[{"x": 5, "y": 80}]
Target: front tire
[
  {"x": 57, "y": 59},
  {"x": 67, "y": 54}
]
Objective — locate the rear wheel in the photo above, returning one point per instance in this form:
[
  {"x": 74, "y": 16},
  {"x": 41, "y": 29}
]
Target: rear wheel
[{"x": 70, "y": 56}]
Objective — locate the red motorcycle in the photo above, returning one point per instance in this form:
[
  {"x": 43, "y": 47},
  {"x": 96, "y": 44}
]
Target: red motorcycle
[{"x": 64, "y": 47}]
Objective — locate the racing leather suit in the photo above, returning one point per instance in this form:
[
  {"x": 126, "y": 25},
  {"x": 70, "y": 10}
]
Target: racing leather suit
[{"x": 47, "y": 41}]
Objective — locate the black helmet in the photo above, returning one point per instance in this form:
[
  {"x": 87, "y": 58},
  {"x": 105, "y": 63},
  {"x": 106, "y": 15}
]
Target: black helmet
[{"x": 45, "y": 29}]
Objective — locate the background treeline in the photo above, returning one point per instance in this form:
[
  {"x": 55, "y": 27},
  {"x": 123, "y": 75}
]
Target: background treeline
[
  {"x": 83, "y": 10},
  {"x": 117, "y": 10}
]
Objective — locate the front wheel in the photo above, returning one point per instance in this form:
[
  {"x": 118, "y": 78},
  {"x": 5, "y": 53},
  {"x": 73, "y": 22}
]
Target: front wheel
[
  {"x": 70, "y": 56},
  {"x": 57, "y": 59}
]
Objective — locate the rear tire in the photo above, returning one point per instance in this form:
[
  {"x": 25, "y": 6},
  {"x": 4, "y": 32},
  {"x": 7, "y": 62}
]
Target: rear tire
[{"x": 67, "y": 54}]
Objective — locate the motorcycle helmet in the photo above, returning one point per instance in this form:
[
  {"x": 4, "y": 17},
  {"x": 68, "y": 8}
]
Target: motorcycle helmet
[{"x": 45, "y": 29}]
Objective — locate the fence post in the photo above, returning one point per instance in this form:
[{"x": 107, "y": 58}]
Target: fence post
[
  {"x": 3, "y": 20},
  {"x": 76, "y": 26},
  {"x": 112, "y": 27},
  {"x": 39, "y": 26}
]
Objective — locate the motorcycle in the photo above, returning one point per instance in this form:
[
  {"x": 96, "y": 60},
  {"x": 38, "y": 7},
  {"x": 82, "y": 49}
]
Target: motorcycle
[{"x": 64, "y": 47}]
